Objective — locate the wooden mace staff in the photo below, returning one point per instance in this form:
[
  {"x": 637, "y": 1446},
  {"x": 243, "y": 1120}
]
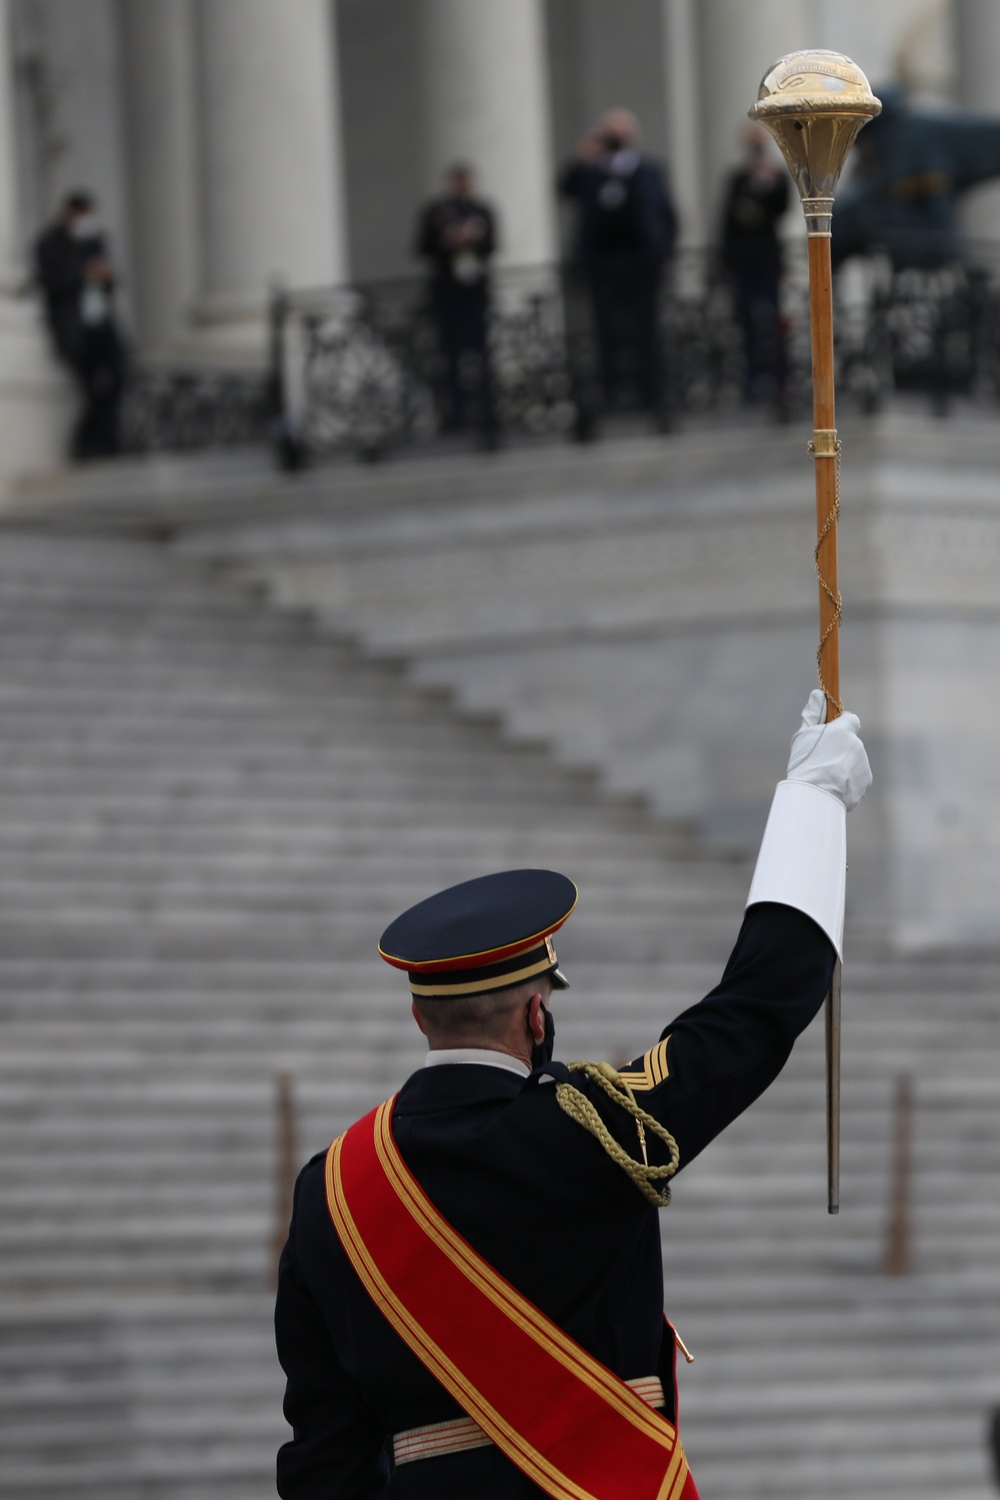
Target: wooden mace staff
[{"x": 814, "y": 104}]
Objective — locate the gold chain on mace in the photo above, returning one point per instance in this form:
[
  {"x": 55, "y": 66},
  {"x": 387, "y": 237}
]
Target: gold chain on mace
[{"x": 835, "y": 597}]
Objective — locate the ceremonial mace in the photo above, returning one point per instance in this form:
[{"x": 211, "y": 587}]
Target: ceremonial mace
[{"x": 814, "y": 104}]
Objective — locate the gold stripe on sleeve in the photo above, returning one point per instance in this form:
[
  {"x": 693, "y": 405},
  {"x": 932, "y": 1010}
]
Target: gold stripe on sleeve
[{"x": 654, "y": 1069}]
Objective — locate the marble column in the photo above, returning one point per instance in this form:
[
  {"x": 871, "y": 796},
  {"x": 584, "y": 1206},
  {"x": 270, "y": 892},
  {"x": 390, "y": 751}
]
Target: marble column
[
  {"x": 160, "y": 102},
  {"x": 738, "y": 42},
  {"x": 271, "y": 172},
  {"x": 35, "y": 398},
  {"x": 685, "y": 146},
  {"x": 486, "y": 103},
  {"x": 11, "y": 252},
  {"x": 977, "y": 36}
]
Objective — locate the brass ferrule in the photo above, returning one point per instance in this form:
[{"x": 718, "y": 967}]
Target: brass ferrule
[{"x": 824, "y": 443}]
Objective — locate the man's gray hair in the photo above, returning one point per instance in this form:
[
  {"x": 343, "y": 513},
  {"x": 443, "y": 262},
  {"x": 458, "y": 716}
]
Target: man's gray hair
[{"x": 468, "y": 1019}]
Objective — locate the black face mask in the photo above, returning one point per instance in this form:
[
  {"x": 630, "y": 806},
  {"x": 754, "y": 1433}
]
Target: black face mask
[{"x": 541, "y": 1052}]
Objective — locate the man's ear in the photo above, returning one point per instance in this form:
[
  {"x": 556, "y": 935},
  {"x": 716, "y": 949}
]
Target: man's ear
[
  {"x": 416, "y": 1016},
  {"x": 536, "y": 1016}
]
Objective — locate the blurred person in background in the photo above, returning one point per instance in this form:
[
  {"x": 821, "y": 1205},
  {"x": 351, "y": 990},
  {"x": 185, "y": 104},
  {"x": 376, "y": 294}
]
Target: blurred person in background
[
  {"x": 756, "y": 198},
  {"x": 457, "y": 236},
  {"x": 77, "y": 279},
  {"x": 911, "y": 170},
  {"x": 625, "y": 234},
  {"x": 993, "y": 1444}
]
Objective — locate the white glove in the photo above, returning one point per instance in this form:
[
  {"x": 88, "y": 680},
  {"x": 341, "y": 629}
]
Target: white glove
[{"x": 830, "y": 756}]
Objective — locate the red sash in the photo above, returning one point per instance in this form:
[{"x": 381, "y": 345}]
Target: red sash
[{"x": 564, "y": 1419}]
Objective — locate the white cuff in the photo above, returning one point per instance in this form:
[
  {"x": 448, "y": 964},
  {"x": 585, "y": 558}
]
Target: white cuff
[{"x": 803, "y": 856}]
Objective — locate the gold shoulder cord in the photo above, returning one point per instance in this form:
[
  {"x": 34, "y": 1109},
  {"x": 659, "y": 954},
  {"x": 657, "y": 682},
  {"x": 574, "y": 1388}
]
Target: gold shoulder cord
[{"x": 580, "y": 1109}]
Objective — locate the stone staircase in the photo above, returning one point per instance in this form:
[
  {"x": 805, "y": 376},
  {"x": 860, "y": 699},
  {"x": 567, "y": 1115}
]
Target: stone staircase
[{"x": 208, "y": 813}]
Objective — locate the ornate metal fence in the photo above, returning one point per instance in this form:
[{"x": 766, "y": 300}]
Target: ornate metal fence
[
  {"x": 361, "y": 369},
  {"x": 178, "y": 410},
  {"x": 936, "y": 330}
]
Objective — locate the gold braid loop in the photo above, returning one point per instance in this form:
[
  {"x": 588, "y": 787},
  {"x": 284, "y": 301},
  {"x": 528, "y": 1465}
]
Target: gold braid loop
[
  {"x": 580, "y": 1109},
  {"x": 836, "y": 599}
]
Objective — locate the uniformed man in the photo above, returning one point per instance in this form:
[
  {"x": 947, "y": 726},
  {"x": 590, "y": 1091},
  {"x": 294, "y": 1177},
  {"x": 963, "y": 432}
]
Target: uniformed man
[
  {"x": 77, "y": 279},
  {"x": 754, "y": 203},
  {"x": 470, "y": 1301},
  {"x": 457, "y": 236}
]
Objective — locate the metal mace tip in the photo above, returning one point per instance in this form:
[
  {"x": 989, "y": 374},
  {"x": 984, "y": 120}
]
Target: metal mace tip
[{"x": 814, "y": 104}]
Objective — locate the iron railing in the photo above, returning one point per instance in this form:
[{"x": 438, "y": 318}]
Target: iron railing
[
  {"x": 360, "y": 369},
  {"x": 182, "y": 410}
]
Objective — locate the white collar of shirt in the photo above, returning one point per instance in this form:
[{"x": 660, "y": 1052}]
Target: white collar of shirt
[{"x": 482, "y": 1056}]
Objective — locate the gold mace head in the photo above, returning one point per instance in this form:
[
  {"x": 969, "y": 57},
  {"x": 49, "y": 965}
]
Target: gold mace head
[{"x": 814, "y": 104}]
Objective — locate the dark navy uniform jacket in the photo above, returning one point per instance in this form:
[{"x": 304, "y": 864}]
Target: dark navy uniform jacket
[{"x": 537, "y": 1196}]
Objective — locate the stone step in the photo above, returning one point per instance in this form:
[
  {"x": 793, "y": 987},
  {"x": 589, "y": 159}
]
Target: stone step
[
  {"x": 213, "y": 941},
  {"x": 98, "y": 1028},
  {"x": 169, "y": 1249},
  {"x": 77, "y": 1169},
  {"x": 367, "y": 987},
  {"x": 650, "y": 993},
  {"x": 591, "y": 840},
  {"x": 69, "y": 630},
  {"x": 98, "y": 1209},
  {"x": 238, "y": 708},
  {"x": 431, "y": 790},
  {"x": 793, "y": 1198},
  {"x": 225, "y": 1473},
  {"x": 66, "y": 631},
  {"x": 313, "y": 729},
  {"x": 800, "y": 1291},
  {"x": 242, "y": 868},
  {"x": 283, "y": 759},
  {"x": 218, "y": 807},
  {"x": 167, "y": 1131},
  {"x": 199, "y": 708},
  {"x": 158, "y": 791},
  {"x": 186, "y": 900},
  {"x": 193, "y": 1336},
  {"x": 193, "y": 1415},
  {"x": 898, "y": 1417}
]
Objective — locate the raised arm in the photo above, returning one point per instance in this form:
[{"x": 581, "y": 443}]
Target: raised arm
[{"x": 718, "y": 1056}]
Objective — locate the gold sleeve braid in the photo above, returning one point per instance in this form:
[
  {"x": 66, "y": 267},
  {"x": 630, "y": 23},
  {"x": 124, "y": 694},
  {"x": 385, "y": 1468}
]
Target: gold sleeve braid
[{"x": 580, "y": 1109}]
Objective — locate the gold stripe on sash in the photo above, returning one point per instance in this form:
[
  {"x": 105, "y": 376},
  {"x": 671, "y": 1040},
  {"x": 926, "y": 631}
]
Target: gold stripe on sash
[{"x": 546, "y": 1334}]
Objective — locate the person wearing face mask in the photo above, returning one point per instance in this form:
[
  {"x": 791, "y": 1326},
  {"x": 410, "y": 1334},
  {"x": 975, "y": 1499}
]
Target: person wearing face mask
[
  {"x": 77, "y": 280},
  {"x": 626, "y": 228},
  {"x": 470, "y": 1301},
  {"x": 457, "y": 237},
  {"x": 755, "y": 201}
]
